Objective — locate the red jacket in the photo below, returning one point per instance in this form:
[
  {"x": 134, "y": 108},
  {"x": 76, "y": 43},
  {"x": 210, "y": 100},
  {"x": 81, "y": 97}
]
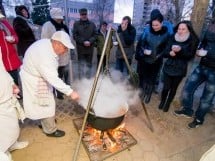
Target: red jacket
[{"x": 9, "y": 54}]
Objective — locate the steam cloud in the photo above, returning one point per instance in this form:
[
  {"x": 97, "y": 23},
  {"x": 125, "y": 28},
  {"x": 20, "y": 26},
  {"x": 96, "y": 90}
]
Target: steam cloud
[{"x": 112, "y": 95}]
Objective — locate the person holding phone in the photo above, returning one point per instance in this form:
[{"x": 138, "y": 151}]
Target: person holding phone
[{"x": 127, "y": 34}]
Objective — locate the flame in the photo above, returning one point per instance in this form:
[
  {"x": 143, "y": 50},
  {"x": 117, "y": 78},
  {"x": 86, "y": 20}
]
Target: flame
[{"x": 112, "y": 142}]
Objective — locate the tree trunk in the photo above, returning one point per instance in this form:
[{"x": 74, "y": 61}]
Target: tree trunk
[{"x": 198, "y": 14}]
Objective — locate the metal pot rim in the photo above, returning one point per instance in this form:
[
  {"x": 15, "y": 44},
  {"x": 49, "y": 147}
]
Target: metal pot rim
[{"x": 111, "y": 117}]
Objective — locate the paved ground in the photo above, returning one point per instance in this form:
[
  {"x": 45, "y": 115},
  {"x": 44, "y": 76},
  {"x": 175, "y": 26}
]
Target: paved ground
[{"x": 170, "y": 141}]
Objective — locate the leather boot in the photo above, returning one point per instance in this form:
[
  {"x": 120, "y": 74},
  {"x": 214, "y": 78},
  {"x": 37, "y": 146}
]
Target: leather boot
[
  {"x": 168, "y": 102},
  {"x": 160, "y": 107},
  {"x": 163, "y": 99},
  {"x": 166, "y": 106},
  {"x": 148, "y": 93}
]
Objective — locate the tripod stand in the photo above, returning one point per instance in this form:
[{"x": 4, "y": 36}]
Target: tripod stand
[{"x": 133, "y": 76}]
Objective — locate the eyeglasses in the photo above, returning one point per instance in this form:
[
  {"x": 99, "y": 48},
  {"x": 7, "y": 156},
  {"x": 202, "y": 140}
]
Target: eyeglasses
[{"x": 83, "y": 14}]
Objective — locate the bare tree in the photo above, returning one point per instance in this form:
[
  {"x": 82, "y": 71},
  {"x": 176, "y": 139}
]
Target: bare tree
[
  {"x": 104, "y": 10},
  {"x": 198, "y": 14},
  {"x": 179, "y": 6}
]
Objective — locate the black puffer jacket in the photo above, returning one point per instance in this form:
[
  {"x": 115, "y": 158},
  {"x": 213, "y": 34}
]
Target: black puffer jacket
[
  {"x": 154, "y": 41},
  {"x": 177, "y": 65},
  {"x": 209, "y": 45},
  {"x": 23, "y": 30}
]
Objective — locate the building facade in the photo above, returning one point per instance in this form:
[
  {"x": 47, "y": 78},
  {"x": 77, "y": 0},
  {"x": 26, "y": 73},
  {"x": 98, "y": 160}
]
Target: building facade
[{"x": 98, "y": 10}]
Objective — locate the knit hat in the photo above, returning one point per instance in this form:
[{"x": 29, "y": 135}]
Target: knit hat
[
  {"x": 64, "y": 38},
  {"x": 83, "y": 11},
  {"x": 56, "y": 13},
  {"x": 155, "y": 13}
]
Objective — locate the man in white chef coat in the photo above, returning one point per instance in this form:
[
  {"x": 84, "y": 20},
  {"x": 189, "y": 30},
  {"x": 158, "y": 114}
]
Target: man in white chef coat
[
  {"x": 39, "y": 75},
  {"x": 10, "y": 112}
]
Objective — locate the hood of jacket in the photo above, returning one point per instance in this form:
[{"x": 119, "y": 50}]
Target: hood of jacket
[{"x": 18, "y": 10}]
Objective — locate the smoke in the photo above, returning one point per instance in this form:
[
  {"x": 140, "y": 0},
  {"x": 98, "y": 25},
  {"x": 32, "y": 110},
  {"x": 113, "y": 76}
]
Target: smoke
[{"x": 112, "y": 96}]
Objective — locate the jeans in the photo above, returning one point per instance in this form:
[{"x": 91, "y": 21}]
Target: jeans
[{"x": 199, "y": 75}]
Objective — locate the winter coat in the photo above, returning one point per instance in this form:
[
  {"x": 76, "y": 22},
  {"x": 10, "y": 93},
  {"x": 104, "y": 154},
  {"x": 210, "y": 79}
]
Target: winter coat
[
  {"x": 127, "y": 38},
  {"x": 9, "y": 54},
  {"x": 8, "y": 112},
  {"x": 100, "y": 40},
  {"x": 39, "y": 75},
  {"x": 48, "y": 29},
  {"x": 154, "y": 41},
  {"x": 24, "y": 31},
  {"x": 177, "y": 65},
  {"x": 166, "y": 23},
  {"x": 84, "y": 31},
  {"x": 209, "y": 45}
]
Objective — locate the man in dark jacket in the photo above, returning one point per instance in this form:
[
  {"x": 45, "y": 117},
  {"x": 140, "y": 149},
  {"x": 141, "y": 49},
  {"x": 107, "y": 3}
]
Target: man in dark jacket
[
  {"x": 84, "y": 33},
  {"x": 127, "y": 34}
]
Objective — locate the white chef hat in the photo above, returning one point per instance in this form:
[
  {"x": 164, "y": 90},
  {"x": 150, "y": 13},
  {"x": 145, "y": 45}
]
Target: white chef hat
[{"x": 64, "y": 38}]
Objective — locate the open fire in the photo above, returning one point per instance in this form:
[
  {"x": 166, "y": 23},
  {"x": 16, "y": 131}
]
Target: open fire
[
  {"x": 110, "y": 140},
  {"x": 103, "y": 144}
]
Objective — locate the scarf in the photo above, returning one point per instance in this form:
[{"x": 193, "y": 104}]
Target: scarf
[
  {"x": 29, "y": 22},
  {"x": 182, "y": 38},
  {"x": 59, "y": 26}
]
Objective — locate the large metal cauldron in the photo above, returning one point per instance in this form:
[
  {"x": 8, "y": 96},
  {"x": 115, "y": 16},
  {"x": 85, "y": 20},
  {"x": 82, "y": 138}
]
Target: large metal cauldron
[{"x": 105, "y": 123}]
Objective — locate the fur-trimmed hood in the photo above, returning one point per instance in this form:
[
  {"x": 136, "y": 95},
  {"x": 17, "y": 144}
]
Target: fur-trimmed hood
[{"x": 18, "y": 10}]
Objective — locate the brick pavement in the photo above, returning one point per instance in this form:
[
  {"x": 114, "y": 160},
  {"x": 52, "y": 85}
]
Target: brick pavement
[{"x": 170, "y": 141}]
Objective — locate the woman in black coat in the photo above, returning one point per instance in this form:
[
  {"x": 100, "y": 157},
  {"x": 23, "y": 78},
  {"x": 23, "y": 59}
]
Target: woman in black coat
[
  {"x": 180, "y": 49},
  {"x": 148, "y": 55},
  {"x": 24, "y": 28}
]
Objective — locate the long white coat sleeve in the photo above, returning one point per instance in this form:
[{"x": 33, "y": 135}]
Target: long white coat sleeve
[
  {"x": 49, "y": 72},
  {"x": 40, "y": 62}
]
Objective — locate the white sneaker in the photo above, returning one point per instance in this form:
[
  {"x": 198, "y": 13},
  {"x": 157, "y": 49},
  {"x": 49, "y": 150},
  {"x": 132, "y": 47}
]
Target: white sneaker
[
  {"x": 18, "y": 145},
  {"x": 5, "y": 156},
  {"x": 9, "y": 156}
]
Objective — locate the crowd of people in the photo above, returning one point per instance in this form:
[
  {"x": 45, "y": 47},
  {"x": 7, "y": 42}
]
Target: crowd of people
[{"x": 162, "y": 51}]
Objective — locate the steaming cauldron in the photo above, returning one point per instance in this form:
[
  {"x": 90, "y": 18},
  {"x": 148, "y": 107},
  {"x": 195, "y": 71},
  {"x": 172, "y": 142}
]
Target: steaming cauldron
[{"x": 105, "y": 123}]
